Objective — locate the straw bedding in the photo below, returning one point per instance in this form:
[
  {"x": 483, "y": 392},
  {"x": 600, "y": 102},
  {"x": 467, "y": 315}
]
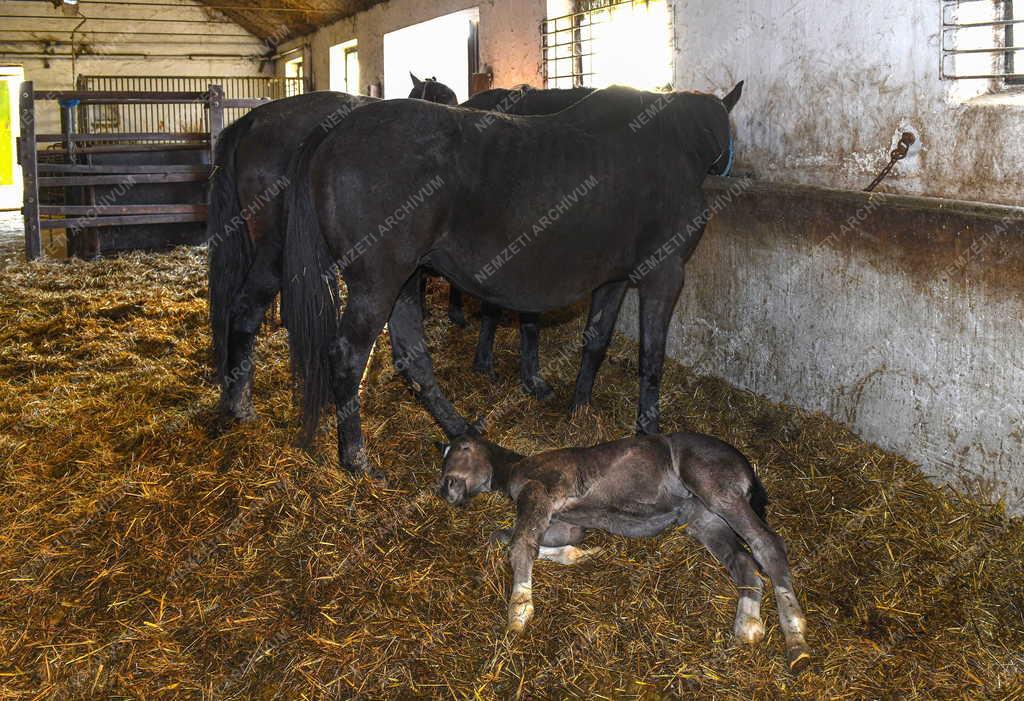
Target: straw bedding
[{"x": 144, "y": 556}]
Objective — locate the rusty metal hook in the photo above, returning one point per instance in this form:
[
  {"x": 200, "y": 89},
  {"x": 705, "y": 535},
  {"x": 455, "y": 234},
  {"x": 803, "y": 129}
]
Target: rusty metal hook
[{"x": 895, "y": 156}]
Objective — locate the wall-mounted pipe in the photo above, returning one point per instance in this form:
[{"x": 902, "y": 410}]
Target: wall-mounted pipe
[
  {"x": 54, "y": 40},
  {"x": 194, "y": 57},
  {"x": 123, "y": 19},
  {"x": 282, "y": 54},
  {"x": 252, "y": 39},
  {"x": 261, "y": 8}
]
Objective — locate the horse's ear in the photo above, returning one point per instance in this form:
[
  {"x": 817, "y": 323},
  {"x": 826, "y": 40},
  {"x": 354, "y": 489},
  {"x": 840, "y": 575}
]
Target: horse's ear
[
  {"x": 732, "y": 98},
  {"x": 416, "y": 82},
  {"x": 480, "y": 425}
]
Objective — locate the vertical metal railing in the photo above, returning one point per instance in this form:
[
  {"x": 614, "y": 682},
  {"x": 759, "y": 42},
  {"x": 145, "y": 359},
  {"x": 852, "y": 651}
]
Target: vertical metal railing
[{"x": 97, "y": 119}]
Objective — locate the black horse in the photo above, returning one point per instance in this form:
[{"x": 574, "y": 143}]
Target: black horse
[
  {"x": 244, "y": 230},
  {"x": 246, "y": 236},
  {"x": 501, "y": 212}
]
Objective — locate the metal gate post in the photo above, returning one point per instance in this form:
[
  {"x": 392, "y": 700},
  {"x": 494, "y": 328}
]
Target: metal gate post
[
  {"x": 216, "y": 117},
  {"x": 28, "y": 159}
]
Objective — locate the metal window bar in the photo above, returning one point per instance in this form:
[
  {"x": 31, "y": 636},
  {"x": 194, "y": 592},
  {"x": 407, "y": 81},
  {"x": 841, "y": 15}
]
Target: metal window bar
[
  {"x": 963, "y": 39},
  {"x": 567, "y": 42},
  {"x": 173, "y": 118}
]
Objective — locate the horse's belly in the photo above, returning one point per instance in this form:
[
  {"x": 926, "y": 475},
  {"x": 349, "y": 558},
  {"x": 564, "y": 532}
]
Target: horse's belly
[
  {"x": 534, "y": 275},
  {"x": 626, "y": 523}
]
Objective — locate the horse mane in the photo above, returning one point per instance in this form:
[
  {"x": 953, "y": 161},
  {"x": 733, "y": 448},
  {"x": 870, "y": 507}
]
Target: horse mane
[{"x": 685, "y": 117}]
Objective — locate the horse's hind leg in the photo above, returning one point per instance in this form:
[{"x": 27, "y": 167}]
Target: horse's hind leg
[
  {"x": 362, "y": 321},
  {"x": 529, "y": 357},
  {"x": 722, "y": 542},
  {"x": 604, "y": 311},
  {"x": 412, "y": 359},
  {"x": 262, "y": 285},
  {"x": 769, "y": 551},
  {"x": 483, "y": 361}
]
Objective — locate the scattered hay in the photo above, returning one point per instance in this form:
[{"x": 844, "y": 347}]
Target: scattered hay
[{"x": 143, "y": 558}]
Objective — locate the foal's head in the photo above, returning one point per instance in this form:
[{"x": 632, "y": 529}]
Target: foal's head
[{"x": 468, "y": 469}]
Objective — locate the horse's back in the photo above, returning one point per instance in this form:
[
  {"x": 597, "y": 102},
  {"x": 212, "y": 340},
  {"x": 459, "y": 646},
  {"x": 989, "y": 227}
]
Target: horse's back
[
  {"x": 385, "y": 174},
  {"x": 276, "y": 130}
]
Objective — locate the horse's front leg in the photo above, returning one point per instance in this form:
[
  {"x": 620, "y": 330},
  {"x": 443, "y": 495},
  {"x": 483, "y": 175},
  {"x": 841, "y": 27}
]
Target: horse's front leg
[
  {"x": 455, "y": 313},
  {"x": 529, "y": 357},
  {"x": 658, "y": 295},
  {"x": 533, "y": 516},
  {"x": 604, "y": 312},
  {"x": 483, "y": 362},
  {"x": 558, "y": 544},
  {"x": 412, "y": 359}
]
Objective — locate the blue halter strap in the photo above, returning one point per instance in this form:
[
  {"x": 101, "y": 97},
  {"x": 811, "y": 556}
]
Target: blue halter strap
[{"x": 732, "y": 154}]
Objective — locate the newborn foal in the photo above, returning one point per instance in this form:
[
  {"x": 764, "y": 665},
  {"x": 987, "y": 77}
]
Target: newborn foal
[{"x": 634, "y": 487}]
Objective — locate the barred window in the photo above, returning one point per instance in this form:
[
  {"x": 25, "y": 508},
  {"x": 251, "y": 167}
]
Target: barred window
[
  {"x": 981, "y": 40},
  {"x": 606, "y": 42}
]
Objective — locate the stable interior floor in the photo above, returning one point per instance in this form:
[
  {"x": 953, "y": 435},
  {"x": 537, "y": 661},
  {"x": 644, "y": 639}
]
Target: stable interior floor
[{"x": 145, "y": 557}]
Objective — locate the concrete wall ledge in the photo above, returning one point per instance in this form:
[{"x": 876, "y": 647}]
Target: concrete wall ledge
[{"x": 980, "y": 210}]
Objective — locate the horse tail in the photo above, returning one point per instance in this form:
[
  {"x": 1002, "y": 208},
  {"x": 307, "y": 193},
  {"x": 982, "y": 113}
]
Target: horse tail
[
  {"x": 230, "y": 248},
  {"x": 758, "y": 497},
  {"x": 311, "y": 298}
]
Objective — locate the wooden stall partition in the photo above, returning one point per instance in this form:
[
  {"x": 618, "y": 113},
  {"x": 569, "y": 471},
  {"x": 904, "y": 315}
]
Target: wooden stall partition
[{"x": 121, "y": 190}]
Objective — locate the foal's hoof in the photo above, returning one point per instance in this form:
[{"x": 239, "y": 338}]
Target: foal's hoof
[
  {"x": 798, "y": 656},
  {"x": 538, "y": 388},
  {"x": 520, "y": 612},
  {"x": 578, "y": 555},
  {"x": 748, "y": 630}
]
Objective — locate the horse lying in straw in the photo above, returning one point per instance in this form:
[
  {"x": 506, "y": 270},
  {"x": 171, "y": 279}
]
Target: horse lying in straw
[
  {"x": 246, "y": 237},
  {"x": 635, "y": 487},
  {"x": 526, "y": 213}
]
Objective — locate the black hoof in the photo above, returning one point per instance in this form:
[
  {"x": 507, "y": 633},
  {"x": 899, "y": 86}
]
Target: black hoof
[
  {"x": 538, "y": 388},
  {"x": 227, "y": 416},
  {"x": 457, "y": 318},
  {"x": 579, "y": 408},
  {"x": 361, "y": 466},
  {"x": 486, "y": 370}
]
